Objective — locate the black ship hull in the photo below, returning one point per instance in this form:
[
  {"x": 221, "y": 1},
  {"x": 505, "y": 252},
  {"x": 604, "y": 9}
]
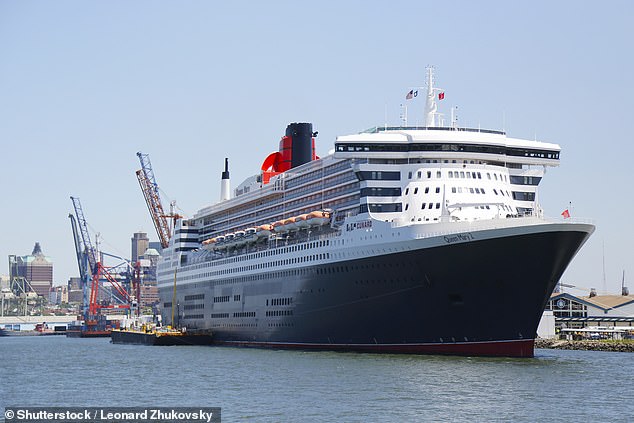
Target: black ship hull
[{"x": 481, "y": 297}]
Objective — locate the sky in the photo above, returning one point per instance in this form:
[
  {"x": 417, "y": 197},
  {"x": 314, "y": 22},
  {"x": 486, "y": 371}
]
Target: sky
[{"x": 85, "y": 85}]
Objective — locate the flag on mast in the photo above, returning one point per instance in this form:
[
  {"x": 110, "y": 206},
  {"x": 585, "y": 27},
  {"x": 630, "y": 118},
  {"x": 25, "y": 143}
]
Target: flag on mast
[
  {"x": 411, "y": 94},
  {"x": 565, "y": 214},
  {"x": 441, "y": 96}
]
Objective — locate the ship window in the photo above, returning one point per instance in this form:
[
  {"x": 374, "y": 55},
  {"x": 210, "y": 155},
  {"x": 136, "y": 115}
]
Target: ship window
[
  {"x": 488, "y": 175},
  {"x": 409, "y": 175},
  {"x": 430, "y": 206},
  {"x": 453, "y": 190},
  {"x": 406, "y": 191},
  {"x": 438, "y": 174},
  {"x": 426, "y": 190},
  {"x": 482, "y": 189},
  {"x": 477, "y": 190},
  {"x": 429, "y": 174},
  {"x": 479, "y": 175},
  {"x": 450, "y": 174},
  {"x": 419, "y": 174},
  {"x": 416, "y": 190},
  {"x": 406, "y": 206},
  {"x": 462, "y": 174},
  {"x": 423, "y": 206},
  {"x": 437, "y": 205},
  {"x": 468, "y": 175},
  {"x": 437, "y": 190},
  {"x": 471, "y": 190}
]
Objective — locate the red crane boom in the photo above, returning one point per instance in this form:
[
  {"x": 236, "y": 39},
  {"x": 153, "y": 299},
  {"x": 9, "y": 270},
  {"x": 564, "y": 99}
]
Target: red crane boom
[{"x": 149, "y": 187}]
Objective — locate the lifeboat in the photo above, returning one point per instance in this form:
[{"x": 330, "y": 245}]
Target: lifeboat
[
  {"x": 209, "y": 244},
  {"x": 300, "y": 221},
  {"x": 230, "y": 240},
  {"x": 240, "y": 238},
  {"x": 318, "y": 218},
  {"x": 250, "y": 235},
  {"x": 279, "y": 226},
  {"x": 220, "y": 243},
  {"x": 289, "y": 224},
  {"x": 263, "y": 231}
]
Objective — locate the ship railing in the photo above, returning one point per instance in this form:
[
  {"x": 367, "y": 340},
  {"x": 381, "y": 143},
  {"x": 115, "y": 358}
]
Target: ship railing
[{"x": 376, "y": 129}]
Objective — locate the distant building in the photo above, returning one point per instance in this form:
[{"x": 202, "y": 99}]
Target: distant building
[
  {"x": 156, "y": 245},
  {"x": 149, "y": 295},
  {"x": 4, "y": 282},
  {"x": 75, "y": 292},
  {"x": 149, "y": 289},
  {"x": 140, "y": 243},
  {"x": 36, "y": 268},
  {"x": 58, "y": 295}
]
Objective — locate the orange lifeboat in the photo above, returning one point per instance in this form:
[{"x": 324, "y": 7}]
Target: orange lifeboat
[
  {"x": 263, "y": 231},
  {"x": 279, "y": 226},
  {"x": 318, "y": 218},
  {"x": 289, "y": 224}
]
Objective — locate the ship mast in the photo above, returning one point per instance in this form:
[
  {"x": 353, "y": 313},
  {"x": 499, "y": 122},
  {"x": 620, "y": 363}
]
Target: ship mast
[{"x": 431, "y": 108}]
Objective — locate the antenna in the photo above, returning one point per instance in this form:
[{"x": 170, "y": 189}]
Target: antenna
[
  {"x": 403, "y": 114},
  {"x": 385, "y": 116},
  {"x": 604, "y": 283}
]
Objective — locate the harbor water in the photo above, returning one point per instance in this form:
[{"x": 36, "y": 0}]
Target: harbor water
[{"x": 294, "y": 386}]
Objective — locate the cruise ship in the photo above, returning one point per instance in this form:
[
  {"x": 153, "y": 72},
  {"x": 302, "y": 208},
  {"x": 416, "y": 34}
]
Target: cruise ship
[{"x": 410, "y": 239}]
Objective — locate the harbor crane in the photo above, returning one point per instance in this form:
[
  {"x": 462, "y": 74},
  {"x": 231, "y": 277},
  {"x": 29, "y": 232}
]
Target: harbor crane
[
  {"x": 150, "y": 190},
  {"x": 92, "y": 271}
]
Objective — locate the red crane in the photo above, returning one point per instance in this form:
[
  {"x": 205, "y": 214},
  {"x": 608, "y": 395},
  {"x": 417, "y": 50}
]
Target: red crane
[{"x": 150, "y": 190}]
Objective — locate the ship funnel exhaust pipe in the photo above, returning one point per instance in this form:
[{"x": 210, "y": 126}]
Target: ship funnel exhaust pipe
[{"x": 225, "y": 183}]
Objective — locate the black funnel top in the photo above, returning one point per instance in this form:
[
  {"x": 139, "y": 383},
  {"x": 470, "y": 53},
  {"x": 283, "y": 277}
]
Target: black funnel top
[
  {"x": 301, "y": 134},
  {"x": 225, "y": 174}
]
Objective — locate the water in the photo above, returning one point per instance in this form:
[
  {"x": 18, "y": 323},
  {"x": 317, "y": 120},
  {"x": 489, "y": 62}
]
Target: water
[{"x": 291, "y": 386}]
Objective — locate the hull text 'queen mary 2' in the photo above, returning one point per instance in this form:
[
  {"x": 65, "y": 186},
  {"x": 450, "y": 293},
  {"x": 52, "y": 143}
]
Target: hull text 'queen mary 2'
[{"x": 405, "y": 239}]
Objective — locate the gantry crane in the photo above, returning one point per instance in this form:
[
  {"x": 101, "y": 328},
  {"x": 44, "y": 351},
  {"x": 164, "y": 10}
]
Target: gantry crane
[{"x": 150, "y": 190}]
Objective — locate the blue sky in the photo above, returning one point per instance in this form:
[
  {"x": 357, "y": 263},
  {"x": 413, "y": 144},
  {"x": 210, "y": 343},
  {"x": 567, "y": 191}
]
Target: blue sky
[{"x": 85, "y": 85}]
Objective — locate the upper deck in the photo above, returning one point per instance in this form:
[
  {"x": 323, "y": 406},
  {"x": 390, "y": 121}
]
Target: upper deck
[{"x": 446, "y": 143}]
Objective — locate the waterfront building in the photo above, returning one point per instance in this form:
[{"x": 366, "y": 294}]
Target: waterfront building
[
  {"x": 592, "y": 314},
  {"x": 36, "y": 268}
]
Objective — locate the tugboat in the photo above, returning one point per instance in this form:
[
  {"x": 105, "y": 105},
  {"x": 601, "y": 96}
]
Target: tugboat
[{"x": 143, "y": 331}]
